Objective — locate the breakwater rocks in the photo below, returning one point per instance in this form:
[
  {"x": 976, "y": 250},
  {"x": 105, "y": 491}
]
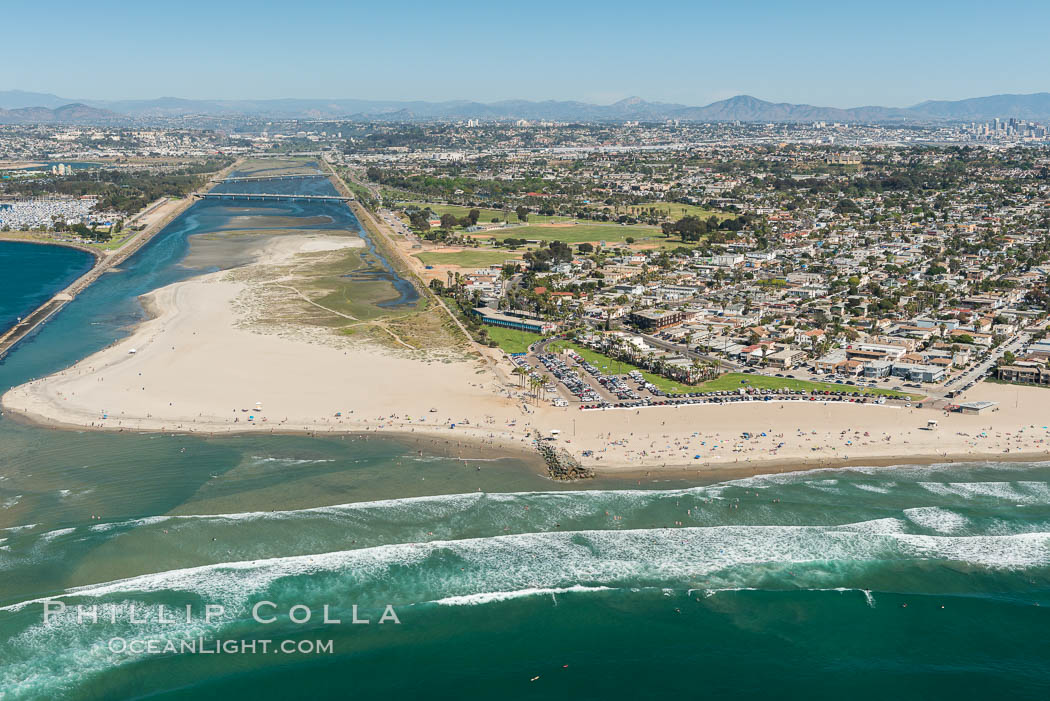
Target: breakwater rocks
[{"x": 560, "y": 464}]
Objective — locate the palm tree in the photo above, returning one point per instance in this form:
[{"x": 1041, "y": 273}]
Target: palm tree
[
  {"x": 535, "y": 383},
  {"x": 695, "y": 370},
  {"x": 521, "y": 373}
]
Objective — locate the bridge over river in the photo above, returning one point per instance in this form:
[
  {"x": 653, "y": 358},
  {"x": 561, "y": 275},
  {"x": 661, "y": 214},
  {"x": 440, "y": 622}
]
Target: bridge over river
[{"x": 270, "y": 196}]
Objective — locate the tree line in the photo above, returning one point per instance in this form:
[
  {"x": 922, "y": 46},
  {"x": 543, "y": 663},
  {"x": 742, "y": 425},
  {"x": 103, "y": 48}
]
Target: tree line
[{"x": 120, "y": 190}]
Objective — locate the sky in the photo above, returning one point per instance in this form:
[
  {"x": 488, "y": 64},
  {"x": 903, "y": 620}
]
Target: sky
[{"x": 838, "y": 54}]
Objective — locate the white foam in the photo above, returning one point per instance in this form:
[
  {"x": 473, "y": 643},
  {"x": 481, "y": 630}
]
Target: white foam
[
  {"x": 495, "y": 596},
  {"x": 51, "y": 535},
  {"x": 937, "y": 519},
  {"x": 134, "y": 523},
  {"x": 865, "y": 487},
  {"x": 258, "y": 460},
  {"x": 583, "y": 501},
  {"x": 436, "y": 504},
  {"x": 63, "y": 653},
  {"x": 1003, "y": 491},
  {"x": 645, "y": 557},
  {"x": 16, "y": 529},
  {"x": 878, "y": 526}
]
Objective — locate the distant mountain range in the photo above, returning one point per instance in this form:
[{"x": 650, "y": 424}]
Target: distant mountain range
[
  {"x": 22, "y": 107},
  {"x": 75, "y": 113}
]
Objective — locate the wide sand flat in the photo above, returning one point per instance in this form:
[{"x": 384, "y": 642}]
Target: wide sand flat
[
  {"x": 196, "y": 367},
  {"x": 813, "y": 433}
]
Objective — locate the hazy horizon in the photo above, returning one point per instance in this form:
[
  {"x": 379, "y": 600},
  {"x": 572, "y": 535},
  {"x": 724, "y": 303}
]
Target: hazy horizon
[
  {"x": 687, "y": 53},
  {"x": 339, "y": 98}
]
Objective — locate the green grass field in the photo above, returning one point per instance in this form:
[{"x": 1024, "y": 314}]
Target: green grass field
[
  {"x": 675, "y": 210},
  {"x": 732, "y": 381},
  {"x": 486, "y": 214},
  {"x": 512, "y": 340},
  {"x": 611, "y": 366},
  {"x": 468, "y": 258},
  {"x": 580, "y": 233}
]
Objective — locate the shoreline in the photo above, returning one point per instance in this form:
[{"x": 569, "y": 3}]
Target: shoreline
[
  {"x": 99, "y": 255},
  {"x": 386, "y": 393},
  {"x": 506, "y": 447},
  {"x": 211, "y": 361},
  {"x": 458, "y": 440}
]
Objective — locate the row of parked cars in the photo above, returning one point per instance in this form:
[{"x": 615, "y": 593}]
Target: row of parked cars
[
  {"x": 613, "y": 383},
  {"x": 569, "y": 377},
  {"x": 616, "y": 385},
  {"x": 751, "y": 395}
]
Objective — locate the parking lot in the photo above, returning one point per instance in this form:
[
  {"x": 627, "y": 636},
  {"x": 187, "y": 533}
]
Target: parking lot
[{"x": 576, "y": 382}]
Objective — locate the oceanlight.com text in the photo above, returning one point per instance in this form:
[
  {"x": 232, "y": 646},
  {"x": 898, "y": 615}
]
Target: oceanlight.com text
[{"x": 202, "y": 646}]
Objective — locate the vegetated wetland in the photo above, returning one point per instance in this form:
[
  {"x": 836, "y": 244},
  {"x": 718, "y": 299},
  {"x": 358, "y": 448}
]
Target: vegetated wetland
[{"x": 313, "y": 264}]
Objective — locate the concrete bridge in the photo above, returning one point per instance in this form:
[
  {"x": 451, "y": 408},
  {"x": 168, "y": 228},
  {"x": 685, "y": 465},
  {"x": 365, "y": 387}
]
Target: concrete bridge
[
  {"x": 270, "y": 196},
  {"x": 254, "y": 178}
]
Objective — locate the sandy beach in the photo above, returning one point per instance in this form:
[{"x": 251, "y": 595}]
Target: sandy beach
[{"x": 196, "y": 367}]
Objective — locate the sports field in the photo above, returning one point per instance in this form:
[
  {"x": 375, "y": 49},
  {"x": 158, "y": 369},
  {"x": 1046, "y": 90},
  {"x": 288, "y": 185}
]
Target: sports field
[
  {"x": 512, "y": 340},
  {"x": 581, "y": 233},
  {"x": 487, "y": 215},
  {"x": 675, "y": 210},
  {"x": 470, "y": 258}
]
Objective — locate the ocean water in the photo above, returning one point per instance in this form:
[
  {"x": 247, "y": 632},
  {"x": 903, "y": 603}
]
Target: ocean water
[
  {"x": 920, "y": 582},
  {"x": 30, "y": 274},
  {"x": 905, "y": 582}
]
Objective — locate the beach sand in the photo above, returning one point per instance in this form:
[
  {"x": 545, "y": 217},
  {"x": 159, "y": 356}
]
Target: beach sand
[{"x": 197, "y": 368}]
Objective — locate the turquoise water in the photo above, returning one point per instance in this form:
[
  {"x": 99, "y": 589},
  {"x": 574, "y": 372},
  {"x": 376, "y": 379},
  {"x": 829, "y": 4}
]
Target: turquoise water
[
  {"x": 30, "y": 274},
  {"x": 917, "y": 582},
  {"x": 907, "y": 582}
]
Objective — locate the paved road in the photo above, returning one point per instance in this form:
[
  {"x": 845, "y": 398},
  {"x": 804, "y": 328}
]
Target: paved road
[
  {"x": 667, "y": 345},
  {"x": 1015, "y": 345}
]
